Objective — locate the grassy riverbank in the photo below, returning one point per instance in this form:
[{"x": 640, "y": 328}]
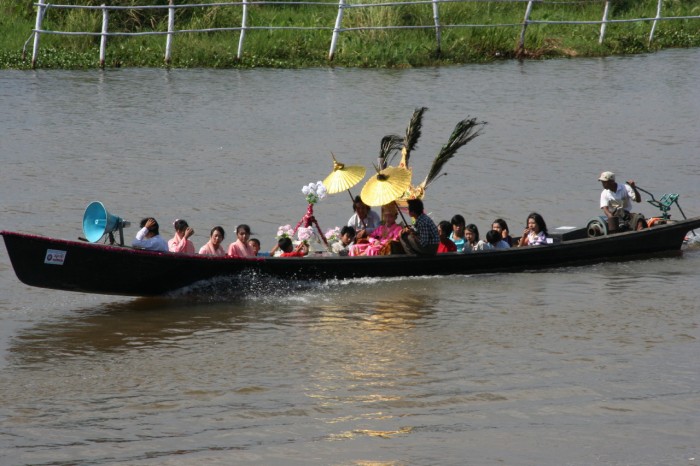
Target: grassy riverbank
[{"x": 398, "y": 48}]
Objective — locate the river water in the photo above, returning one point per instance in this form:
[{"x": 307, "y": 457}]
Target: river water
[{"x": 576, "y": 366}]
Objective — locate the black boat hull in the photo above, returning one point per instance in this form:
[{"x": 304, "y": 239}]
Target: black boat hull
[{"x": 95, "y": 268}]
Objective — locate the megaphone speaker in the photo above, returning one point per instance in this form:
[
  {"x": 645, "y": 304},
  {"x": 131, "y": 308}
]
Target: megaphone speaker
[{"x": 97, "y": 222}]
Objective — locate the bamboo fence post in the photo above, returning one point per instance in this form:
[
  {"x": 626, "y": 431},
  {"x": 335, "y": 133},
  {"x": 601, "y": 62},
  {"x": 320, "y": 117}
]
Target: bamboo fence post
[
  {"x": 526, "y": 20},
  {"x": 653, "y": 26},
  {"x": 103, "y": 36},
  {"x": 438, "y": 32},
  {"x": 171, "y": 28},
  {"x": 336, "y": 29},
  {"x": 37, "y": 27},
  {"x": 244, "y": 25},
  {"x": 604, "y": 23}
]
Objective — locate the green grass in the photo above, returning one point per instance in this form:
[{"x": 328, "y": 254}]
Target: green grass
[{"x": 398, "y": 48}]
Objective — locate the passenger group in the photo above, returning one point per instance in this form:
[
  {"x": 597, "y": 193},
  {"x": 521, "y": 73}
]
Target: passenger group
[
  {"x": 372, "y": 238},
  {"x": 366, "y": 234}
]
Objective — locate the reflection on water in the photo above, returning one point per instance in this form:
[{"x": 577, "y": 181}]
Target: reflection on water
[
  {"x": 177, "y": 321},
  {"x": 119, "y": 327}
]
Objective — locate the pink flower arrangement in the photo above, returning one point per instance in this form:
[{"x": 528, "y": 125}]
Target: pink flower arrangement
[
  {"x": 333, "y": 234},
  {"x": 305, "y": 234},
  {"x": 285, "y": 231}
]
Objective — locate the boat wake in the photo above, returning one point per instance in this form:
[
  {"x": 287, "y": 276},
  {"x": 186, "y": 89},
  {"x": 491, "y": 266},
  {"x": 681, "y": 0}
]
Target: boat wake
[
  {"x": 692, "y": 240},
  {"x": 247, "y": 285},
  {"x": 258, "y": 286}
]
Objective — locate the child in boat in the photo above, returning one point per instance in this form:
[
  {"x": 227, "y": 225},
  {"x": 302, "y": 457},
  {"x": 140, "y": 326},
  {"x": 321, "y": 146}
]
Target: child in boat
[
  {"x": 240, "y": 247},
  {"x": 254, "y": 243},
  {"x": 213, "y": 246},
  {"x": 494, "y": 240},
  {"x": 347, "y": 236},
  {"x": 457, "y": 235},
  {"x": 446, "y": 244},
  {"x": 288, "y": 250},
  {"x": 471, "y": 238},
  {"x": 181, "y": 241},
  {"x": 536, "y": 231}
]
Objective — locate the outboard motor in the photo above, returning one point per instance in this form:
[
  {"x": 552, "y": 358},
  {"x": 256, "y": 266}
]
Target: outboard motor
[{"x": 597, "y": 226}]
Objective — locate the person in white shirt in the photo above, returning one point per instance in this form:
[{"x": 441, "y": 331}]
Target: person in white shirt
[
  {"x": 364, "y": 220},
  {"x": 616, "y": 200},
  {"x": 494, "y": 240},
  {"x": 347, "y": 236},
  {"x": 148, "y": 236}
]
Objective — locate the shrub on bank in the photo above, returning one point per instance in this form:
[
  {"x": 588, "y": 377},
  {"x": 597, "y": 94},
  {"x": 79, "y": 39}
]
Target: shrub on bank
[{"x": 358, "y": 48}]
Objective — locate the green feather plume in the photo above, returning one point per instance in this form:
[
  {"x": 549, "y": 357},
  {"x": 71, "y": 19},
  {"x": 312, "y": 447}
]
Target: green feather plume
[
  {"x": 413, "y": 132},
  {"x": 465, "y": 131},
  {"x": 389, "y": 146}
]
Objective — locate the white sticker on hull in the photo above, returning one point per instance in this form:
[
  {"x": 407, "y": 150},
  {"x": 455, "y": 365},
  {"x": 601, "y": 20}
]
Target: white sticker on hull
[{"x": 55, "y": 257}]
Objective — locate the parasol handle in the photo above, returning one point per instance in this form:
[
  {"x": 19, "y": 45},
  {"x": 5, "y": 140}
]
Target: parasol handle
[{"x": 400, "y": 213}]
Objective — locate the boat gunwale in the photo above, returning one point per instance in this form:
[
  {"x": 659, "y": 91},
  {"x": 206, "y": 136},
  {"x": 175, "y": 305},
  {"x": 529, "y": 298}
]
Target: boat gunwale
[{"x": 325, "y": 258}]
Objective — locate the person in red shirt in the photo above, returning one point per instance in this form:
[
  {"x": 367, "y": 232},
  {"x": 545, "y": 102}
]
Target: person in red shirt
[
  {"x": 446, "y": 244},
  {"x": 288, "y": 250}
]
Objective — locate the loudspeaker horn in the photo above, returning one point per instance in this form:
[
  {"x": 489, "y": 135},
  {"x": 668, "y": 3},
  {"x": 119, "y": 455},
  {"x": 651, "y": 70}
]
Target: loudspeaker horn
[{"x": 97, "y": 222}]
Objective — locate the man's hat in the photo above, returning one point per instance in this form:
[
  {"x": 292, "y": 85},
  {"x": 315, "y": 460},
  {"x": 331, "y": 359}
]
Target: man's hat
[{"x": 607, "y": 176}]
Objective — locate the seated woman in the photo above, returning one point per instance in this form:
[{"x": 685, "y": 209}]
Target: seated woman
[
  {"x": 181, "y": 241},
  {"x": 457, "y": 235},
  {"x": 471, "y": 238},
  {"x": 536, "y": 231},
  {"x": 364, "y": 220},
  {"x": 501, "y": 226},
  {"x": 241, "y": 248},
  {"x": 214, "y": 247},
  {"x": 389, "y": 231},
  {"x": 446, "y": 244}
]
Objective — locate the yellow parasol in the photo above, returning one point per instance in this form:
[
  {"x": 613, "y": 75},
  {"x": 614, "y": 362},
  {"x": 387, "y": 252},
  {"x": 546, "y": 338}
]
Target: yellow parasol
[
  {"x": 386, "y": 186},
  {"x": 343, "y": 177}
]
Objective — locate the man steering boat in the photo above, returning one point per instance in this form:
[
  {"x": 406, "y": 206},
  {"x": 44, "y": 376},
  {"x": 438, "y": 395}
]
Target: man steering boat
[{"x": 616, "y": 203}]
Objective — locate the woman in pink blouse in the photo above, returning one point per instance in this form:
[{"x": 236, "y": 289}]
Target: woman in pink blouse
[
  {"x": 214, "y": 247},
  {"x": 181, "y": 241},
  {"x": 241, "y": 248}
]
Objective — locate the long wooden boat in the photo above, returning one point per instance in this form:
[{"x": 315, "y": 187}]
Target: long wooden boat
[{"x": 119, "y": 270}]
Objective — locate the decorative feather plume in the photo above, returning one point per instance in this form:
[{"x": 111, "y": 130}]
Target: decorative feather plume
[
  {"x": 465, "y": 131},
  {"x": 389, "y": 146},
  {"x": 413, "y": 132}
]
